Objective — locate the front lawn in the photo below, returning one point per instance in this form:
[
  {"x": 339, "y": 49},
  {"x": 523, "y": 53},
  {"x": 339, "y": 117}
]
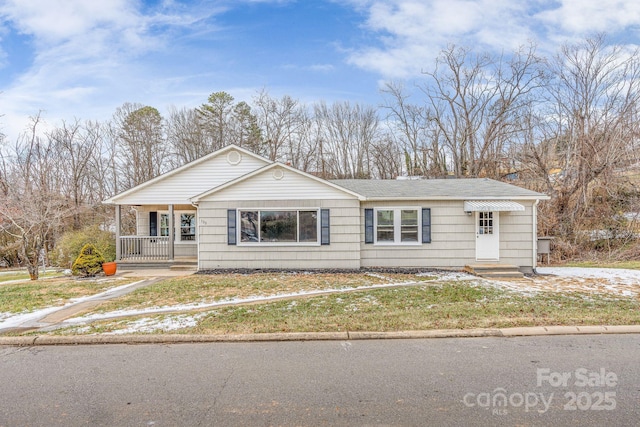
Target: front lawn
[
  {"x": 444, "y": 304},
  {"x": 23, "y": 275},
  {"x": 631, "y": 265},
  {"x": 217, "y": 287},
  {"x": 34, "y": 295}
]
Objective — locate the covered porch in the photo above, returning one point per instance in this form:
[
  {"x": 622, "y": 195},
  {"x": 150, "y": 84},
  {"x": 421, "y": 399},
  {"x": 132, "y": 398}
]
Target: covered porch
[{"x": 161, "y": 233}]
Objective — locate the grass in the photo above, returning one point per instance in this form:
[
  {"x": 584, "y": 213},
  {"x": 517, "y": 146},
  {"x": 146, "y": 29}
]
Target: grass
[
  {"x": 632, "y": 265},
  {"x": 34, "y": 295},
  {"x": 436, "y": 306},
  {"x": 23, "y": 275},
  {"x": 211, "y": 288}
]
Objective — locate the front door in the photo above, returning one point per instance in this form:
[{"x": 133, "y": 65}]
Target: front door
[{"x": 487, "y": 236}]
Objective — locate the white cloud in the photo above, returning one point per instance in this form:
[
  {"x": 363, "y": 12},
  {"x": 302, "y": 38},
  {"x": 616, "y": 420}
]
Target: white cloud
[
  {"x": 407, "y": 35},
  {"x": 411, "y": 33},
  {"x": 53, "y": 21},
  {"x": 579, "y": 17},
  {"x": 84, "y": 54}
]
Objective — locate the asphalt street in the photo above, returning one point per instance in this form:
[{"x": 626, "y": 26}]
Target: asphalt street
[{"x": 548, "y": 380}]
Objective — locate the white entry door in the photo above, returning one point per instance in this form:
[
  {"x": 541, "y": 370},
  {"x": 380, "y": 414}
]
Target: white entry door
[{"x": 487, "y": 236}]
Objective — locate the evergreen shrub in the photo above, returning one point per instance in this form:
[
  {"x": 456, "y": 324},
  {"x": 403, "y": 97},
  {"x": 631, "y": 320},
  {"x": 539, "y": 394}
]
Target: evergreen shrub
[{"x": 89, "y": 262}]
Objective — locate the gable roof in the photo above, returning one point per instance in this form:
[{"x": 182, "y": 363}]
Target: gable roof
[
  {"x": 189, "y": 166},
  {"x": 438, "y": 189},
  {"x": 274, "y": 165}
]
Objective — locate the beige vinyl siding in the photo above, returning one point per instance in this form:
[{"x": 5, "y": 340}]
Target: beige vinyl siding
[
  {"x": 292, "y": 186},
  {"x": 516, "y": 237},
  {"x": 342, "y": 253},
  {"x": 453, "y": 238},
  {"x": 179, "y": 188}
]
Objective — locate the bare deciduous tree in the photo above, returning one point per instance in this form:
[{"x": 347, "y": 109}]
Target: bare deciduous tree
[
  {"x": 410, "y": 125},
  {"x": 186, "y": 135},
  {"x": 592, "y": 124},
  {"x": 347, "y": 132},
  {"x": 475, "y": 102},
  {"x": 32, "y": 209}
]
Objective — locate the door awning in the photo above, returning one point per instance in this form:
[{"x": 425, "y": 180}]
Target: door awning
[{"x": 492, "y": 206}]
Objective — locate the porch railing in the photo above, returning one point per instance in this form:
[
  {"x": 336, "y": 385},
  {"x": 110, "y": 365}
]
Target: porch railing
[{"x": 144, "y": 247}]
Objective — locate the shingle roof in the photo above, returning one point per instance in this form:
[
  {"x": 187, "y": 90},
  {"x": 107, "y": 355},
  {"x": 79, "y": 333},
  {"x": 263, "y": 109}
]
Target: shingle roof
[{"x": 456, "y": 189}]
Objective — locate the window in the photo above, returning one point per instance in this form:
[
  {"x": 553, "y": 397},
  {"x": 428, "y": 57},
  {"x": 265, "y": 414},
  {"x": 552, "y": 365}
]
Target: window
[
  {"x": 385, "y": 230},
  {"x": 187, "y": 227},
  {"x": 485, "y": 222},
  {"x": 184, "y": 225},
  {"x": 398, "y": 225},
  {"x": 409, "y": 225},
  {"x": 164, "y": 224},
  {"x": 279, "y": 226}
]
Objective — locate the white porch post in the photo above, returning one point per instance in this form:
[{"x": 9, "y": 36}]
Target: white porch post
[
  {"x": 118, "y": 246},
  {"x": 171, "y": 232}
]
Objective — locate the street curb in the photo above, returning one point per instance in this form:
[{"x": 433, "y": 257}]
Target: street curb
[{"x": 26, "y": 341}]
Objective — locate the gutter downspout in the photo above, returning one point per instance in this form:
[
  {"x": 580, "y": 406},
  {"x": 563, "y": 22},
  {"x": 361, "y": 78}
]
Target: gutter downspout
[
  {"x": 535, "y": 236},
  {"x": 118, "y": 243},
  {"x": 195, "y": 204}
]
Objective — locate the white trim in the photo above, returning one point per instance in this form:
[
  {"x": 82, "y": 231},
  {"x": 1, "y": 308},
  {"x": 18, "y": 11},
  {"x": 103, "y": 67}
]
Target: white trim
[
  {"x": 176, "y": 226},
  {"x": 448, "y": 198},
  {"x": 260, "y": 244},
  {"x": 278, "y": 174},
  {"x": 233, "y": 161},
  {"x": 534, "y": 247},
  {"x": 397, "y": 225},
  {"x": 483, "y": 239},
  {"x": 492, "y": 206}
]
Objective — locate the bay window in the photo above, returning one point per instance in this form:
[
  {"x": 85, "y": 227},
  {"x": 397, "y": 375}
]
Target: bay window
[{"x": 282, "y": 226}]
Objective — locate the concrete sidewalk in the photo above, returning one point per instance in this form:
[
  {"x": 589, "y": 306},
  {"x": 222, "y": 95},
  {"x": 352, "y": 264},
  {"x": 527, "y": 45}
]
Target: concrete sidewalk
[
  {"x": 52, "y": 316},
  {"x": 315, "y": 336}
]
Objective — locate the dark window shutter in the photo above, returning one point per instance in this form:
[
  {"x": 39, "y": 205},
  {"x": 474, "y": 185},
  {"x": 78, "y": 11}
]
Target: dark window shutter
[
  {"x": 426, "y": 225},
  {"x": 324, "y": 227},
  {"x": 368, "y": 225},
  {"x": 231, "y": 226},
  {"x": 153, "y": 223}
]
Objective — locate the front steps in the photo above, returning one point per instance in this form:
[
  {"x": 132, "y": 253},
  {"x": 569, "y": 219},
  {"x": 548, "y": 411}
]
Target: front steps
[
  {"x": 494, "y": 271},
  {"x": 184, "y": 267}
]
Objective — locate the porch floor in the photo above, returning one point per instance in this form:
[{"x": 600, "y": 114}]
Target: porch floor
[{"x": 178, "y": 263}]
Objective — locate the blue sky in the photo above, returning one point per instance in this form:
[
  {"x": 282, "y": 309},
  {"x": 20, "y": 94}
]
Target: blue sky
[{"x": 84, "y": 58}]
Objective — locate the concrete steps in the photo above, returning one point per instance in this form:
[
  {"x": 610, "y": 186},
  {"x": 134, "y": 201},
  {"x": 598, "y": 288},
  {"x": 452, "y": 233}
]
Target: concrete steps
[
  {"x": 184, "y": 267},
  {"x": 494, "y": 271},
  {"x": 177, "y": 264}
]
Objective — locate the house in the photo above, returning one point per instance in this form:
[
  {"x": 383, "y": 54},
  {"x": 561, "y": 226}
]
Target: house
[{"x": 235, "y": 209}]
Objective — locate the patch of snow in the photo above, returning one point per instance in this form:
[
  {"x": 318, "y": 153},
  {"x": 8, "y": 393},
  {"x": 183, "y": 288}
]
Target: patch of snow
[
  {"x": 12, "y": 320},
  {"x": 450, "y": 276},
  {"x": 376, "y": 275},
  {"x": 16, "y": 320},
  {"x": 620, "y": 275},
  {"x": 170, "y": 323},
  {"x": 225, "y": 302},
  {"x": 553, "y": 279}
]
